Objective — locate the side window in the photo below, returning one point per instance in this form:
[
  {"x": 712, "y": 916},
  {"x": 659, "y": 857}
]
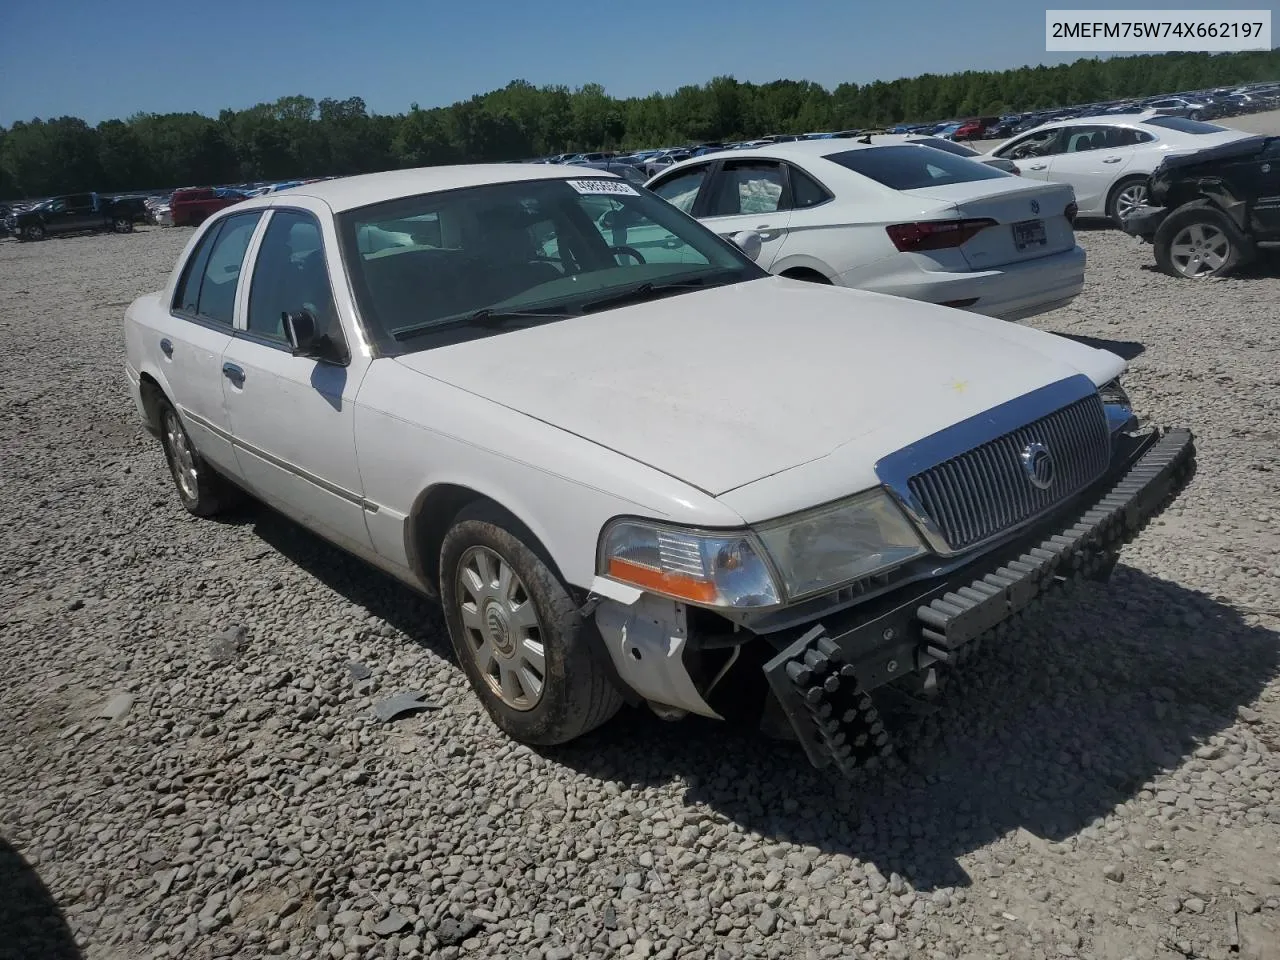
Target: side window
[
  {"x": 208, "y": 287},
  {"x": 290, "y": 275},
  {"x": 1041, "y": 144},
  {"x": 681, "y": 190},
  {"x": 805, "y": 191},
  {"x": 1080, "y": 139},
  {"x": 747, "y": 186},
  {"x": 58, "y": 206},
  {"x": 186, "y": 299}
]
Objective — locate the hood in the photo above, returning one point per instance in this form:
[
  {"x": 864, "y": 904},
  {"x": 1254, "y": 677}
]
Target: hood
[
  {"x": 722, "y": 387},
  {"x": 1237, "y": 149}
]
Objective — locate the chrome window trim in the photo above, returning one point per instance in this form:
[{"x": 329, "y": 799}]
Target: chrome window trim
[{"x": 896, "y": 469}]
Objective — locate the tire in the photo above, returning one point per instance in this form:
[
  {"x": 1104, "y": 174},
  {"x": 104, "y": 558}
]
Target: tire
[
  {"x": 1199, "y": 242},
  {"x": 808, "y": 276},
  {"x": 33, "y": 232},
  {"x": 121, "y": 225},
  {"x": 1126, "y": 195},
  {"x": 538, "y": 700},
  {"x": 201, "y": 489}
]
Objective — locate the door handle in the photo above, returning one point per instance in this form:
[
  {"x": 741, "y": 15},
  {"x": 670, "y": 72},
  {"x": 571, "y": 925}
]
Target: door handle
[
  {"x": 1113, "y": 159},
  {"x": 1037, "y": 166},
  {"x": 233, "y": 373},
  {"x": 166, "y": 347},
  {"x": 766, "y": 232}
]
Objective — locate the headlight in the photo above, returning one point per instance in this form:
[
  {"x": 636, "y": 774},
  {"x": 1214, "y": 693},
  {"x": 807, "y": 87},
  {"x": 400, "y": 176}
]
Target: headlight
[
  {"x": 823, "y": 548},
  {"x": 812, "y": 552},
  {"x": 710, "y": 568}
]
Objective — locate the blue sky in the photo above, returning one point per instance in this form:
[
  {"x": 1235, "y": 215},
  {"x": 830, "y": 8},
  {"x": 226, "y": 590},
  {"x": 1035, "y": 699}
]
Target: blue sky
[{"x": 62, "y": 57}]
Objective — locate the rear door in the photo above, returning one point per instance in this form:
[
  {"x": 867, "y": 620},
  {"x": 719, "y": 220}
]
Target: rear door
[
  {"x": 1263, "y": 182},
  {"x": 748, "y": 194},
  {"x": 190, "y": 344},
  {"x": 1092, "y": 158}
]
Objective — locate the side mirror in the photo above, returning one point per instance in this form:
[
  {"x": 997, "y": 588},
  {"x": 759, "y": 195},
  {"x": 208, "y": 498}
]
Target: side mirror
[
  {"x": 749, "y": 242},
  {"x": 300, "y": 331}
]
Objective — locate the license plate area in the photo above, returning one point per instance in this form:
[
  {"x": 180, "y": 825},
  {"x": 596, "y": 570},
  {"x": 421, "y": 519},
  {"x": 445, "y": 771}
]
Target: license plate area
[{"x": 1028, "y": 234}]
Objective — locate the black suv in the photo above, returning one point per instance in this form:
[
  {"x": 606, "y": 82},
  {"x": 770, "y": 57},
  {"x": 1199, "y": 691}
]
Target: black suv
[
  {"x": 1207, "y": 212},
  {"x": 76, "y": 213}
]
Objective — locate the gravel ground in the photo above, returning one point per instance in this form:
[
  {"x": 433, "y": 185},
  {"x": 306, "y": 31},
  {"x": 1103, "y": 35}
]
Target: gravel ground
[{"x": 188, "y": 767}]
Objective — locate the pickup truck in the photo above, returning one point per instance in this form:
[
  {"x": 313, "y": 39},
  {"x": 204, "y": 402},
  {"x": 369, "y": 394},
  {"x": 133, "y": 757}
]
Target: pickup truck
[{"x": 75, "y": 213}]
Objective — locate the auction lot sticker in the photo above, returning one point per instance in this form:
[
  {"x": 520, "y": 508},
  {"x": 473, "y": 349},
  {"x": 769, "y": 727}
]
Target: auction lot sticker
[
  {"x": 1157, "y": 31},
  {"x": 604, "y": 186}
]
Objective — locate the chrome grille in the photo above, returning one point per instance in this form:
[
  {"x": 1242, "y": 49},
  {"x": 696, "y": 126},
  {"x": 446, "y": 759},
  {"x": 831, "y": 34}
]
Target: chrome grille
[{"x": 986, "y": 490}]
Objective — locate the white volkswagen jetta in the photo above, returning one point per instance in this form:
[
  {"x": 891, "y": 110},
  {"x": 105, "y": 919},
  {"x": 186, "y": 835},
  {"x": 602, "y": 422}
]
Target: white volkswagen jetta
[
  {"x": 901, "y": 218},
  {"x": 1107, "y": 160},
  {"x": 650, "y": 475}
]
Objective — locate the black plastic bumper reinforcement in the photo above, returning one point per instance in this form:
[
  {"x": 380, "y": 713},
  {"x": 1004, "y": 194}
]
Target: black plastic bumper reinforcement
[{"x": 824, "y": 678}]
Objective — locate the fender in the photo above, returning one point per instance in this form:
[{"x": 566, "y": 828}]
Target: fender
[{"x": 803, "y": 260}]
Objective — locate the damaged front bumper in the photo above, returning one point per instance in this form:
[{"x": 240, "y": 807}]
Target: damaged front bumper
[
  {"x": 822, "y": 679},
  {"x": 1145, "y": 221}
]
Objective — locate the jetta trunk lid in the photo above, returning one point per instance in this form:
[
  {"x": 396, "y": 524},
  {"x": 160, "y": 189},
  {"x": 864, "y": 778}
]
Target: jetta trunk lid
[
  {"x": 722, "y": 387},
  {"x": 1007, "y": 202}
]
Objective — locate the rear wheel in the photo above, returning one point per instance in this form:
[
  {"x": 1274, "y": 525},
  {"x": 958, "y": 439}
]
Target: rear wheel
[
  {"x": 201, "y": 489},
  {"x": 122, "y": 225},
  {"x": 1199, "y": 242},
  {"x": 1126, "y": 197}
]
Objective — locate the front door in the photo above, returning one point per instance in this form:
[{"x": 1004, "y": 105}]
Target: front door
[
  {"x": 1265, "y": 185},
  {"x": 293, "y": 417}
]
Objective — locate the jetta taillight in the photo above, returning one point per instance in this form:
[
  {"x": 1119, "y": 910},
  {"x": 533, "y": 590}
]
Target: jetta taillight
[
  {"x": 1070, "y": 212},
  {"x": 935, "y": 234}
]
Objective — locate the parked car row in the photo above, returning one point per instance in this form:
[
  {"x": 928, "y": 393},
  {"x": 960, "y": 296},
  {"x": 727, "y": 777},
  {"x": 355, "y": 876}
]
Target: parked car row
[{"x": 492, "y": 383}]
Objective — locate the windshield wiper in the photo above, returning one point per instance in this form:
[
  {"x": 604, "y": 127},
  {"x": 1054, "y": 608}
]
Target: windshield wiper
[
  {"x": 645, "y": 291},
  {"x": 484, "y": 317}
]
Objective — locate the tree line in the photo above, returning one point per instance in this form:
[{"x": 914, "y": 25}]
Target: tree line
[{"x": 298, "y": 137}]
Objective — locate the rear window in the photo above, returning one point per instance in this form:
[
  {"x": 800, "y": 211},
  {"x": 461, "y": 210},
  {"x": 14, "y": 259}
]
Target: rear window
[
  {"x": 911, "y": 167},
  {"x": 1183, "y": 125},
  {"x": 950, "y": 146}
]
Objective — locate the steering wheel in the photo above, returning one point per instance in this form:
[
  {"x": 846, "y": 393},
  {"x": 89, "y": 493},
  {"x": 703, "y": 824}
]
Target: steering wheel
[{"x": 627, "y": 251}]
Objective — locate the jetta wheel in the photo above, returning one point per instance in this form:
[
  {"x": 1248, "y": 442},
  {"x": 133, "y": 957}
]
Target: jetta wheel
[
  {"x": 1199, "y": 242},
  {"x": 201, "y": 489},
  {"x": 536, "y": 663}
]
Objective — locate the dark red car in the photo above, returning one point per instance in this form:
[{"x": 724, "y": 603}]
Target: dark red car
[
  {"x": 974, "y": 129},
  {"x": 190, "y": 206}
]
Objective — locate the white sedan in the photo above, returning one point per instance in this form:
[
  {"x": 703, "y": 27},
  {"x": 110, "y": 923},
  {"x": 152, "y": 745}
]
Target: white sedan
[
  {"x": 676, "y": 481},
  {"x": 1107, "y": 160},
  {"x": 902, "y": 219}
]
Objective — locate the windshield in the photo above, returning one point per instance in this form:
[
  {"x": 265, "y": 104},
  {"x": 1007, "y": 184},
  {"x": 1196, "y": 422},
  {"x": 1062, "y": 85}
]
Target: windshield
[
  {"x": 436, "y": 268},
  {"x": 1183, "y": 125},
  {"x": 912, "y": 167}
]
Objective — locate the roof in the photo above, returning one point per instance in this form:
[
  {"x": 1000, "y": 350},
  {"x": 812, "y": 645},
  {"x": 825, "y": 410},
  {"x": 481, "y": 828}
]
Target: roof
[{"x": 347, "y": 193}]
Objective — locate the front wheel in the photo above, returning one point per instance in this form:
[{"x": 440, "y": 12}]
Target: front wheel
[
  {"x": 1199, "y": 242},
  {"x": 33, "y": 232},
  {"x": 533, "y": 659}
]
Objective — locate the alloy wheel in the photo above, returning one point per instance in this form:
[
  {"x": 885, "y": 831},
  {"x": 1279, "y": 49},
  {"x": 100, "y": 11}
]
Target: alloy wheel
[
  {"x": 1130, "y": 199},
  {"x": 1199, "y": 250},
  {"x": 501, "y": 626},
  {"x": 181, "y": 456}
]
